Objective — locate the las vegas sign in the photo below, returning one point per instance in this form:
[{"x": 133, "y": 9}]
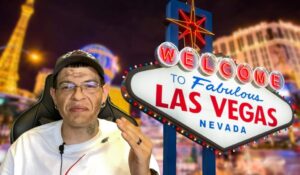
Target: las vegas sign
[{"x": 209, "y": 99}]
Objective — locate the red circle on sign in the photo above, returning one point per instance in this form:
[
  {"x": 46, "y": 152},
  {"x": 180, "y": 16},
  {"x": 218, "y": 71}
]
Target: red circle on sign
[
  {"x": 189, "y": 59},
  {"x": 227, "y": 68},
  {"x": 244, "y": 73}
]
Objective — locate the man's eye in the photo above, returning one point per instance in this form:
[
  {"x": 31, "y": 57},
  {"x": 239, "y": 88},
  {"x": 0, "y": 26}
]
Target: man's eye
[
  {"x": 91, "y": 84},
  {"x": 67, "y": 86}
]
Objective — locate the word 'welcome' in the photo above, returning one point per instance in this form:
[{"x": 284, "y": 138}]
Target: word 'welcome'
[{"x": 168, "y": 55}]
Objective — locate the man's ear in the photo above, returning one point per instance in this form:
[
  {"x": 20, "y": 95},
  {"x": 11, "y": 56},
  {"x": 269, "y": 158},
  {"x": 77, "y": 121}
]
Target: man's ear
[
  {"x": 105, "y": 89},
  {"x": 52, "y": 93}
]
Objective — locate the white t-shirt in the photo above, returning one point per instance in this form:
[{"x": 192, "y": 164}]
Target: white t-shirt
[{"x": 36, "y": 152}]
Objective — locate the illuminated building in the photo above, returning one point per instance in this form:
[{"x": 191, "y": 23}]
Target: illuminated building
[
  {"x": 106, "y": 58},
  {"x": 273, "y": 45},
  {"x": 110, "y": 64},
  {"x": 10, "y": 59},
  {"x": 40, "y": 81},
  {"x": 154, "y": 130}
]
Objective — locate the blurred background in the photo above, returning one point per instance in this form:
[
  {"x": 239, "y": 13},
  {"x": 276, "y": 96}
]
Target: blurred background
[{"x": 34, "y": 33}]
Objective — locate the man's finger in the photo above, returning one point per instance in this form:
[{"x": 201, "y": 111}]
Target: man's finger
[
  {"x": 133, "y": 131},
  {"x": 134, "y": 134}
]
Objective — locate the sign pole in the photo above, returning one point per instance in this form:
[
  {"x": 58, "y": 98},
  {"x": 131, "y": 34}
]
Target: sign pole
[
  {"x": 169, "y": 134},
  {"x": 208, "y": 155},
  {"x": 169, "y": 145},
  {"x": 208, "y": 162}
]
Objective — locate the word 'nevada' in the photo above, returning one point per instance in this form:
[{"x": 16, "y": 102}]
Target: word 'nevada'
[{"x": 208, "y": 64}]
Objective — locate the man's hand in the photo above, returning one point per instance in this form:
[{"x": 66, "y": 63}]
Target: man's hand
[{"x": 141, "y": 147}]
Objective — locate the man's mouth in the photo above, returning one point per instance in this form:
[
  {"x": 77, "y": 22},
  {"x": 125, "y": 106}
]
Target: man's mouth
[{"x": 78, "y": 109}]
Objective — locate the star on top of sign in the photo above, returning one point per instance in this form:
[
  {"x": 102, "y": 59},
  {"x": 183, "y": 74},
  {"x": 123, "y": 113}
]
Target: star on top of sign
[{"x": 192, "y": 30}]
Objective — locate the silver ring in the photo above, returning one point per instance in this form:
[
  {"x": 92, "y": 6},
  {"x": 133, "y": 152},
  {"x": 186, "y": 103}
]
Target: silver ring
[{"x": 139, "y": 141}]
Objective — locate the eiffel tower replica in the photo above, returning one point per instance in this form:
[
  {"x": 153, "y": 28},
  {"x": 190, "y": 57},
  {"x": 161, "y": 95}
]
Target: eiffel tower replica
[{"x": 10, "y": 59}]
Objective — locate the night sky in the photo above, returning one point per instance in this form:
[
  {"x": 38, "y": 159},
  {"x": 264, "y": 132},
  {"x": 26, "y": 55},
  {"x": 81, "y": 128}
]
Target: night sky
[{"x": 131, "y": 29}]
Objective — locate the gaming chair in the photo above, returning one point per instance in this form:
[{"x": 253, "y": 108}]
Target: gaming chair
[{"x": 43, "y": 112}]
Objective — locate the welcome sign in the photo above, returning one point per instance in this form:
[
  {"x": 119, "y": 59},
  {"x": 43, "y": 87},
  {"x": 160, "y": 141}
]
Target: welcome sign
[{"x": 207, "y": 98}]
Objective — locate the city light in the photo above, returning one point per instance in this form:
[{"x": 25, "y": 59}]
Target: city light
[{"x": 34, "y": 57}]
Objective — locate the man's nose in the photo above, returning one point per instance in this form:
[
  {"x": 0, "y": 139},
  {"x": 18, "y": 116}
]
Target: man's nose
[{"x": 78, "y": 93}]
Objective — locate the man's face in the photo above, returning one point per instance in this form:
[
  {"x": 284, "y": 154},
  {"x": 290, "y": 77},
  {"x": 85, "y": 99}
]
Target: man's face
[{"x": 79, "y": 105}]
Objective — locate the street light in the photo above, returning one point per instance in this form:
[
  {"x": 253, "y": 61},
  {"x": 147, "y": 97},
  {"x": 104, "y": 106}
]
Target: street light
[{"x": 34, "y": 57}]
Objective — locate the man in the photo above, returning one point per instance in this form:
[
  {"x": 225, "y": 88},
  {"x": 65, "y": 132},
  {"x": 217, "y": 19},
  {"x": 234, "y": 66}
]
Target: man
[{"x": 80, "y": 143}]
